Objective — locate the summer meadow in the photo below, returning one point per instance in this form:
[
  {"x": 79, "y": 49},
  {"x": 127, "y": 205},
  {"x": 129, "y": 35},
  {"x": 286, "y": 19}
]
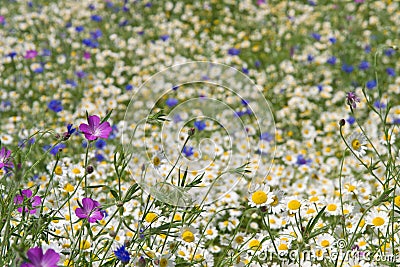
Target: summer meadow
[{"x": 199, "y": 133}]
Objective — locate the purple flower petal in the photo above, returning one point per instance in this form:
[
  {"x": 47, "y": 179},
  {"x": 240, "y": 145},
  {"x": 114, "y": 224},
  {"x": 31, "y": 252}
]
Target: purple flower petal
[
  {"x": 27, "y": 193},
  {"x": 50, "y": 258},
  {"x": 35, "y": 256},
  {"x": 84, "y": 128},
  {"x": 36, "y": 201},
  {"x": 18, "y": 199},
  {"x": 94, "y": 121},
  {"x": 87, "y": 204},
  {"x": 90, "y": 136},
  {"x": 104, "y": 130},
  {"x": 80, "y": 213}
]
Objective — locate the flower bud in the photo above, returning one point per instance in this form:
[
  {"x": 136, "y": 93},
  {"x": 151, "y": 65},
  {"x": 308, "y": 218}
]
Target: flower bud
[
  {"x": 342, "y": 122},
  {"x": 89, "y": 169}
]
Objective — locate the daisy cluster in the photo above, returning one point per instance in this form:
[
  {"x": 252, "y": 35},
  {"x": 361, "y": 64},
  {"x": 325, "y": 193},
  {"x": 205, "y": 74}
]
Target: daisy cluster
[{"x": 279, "y": 137}]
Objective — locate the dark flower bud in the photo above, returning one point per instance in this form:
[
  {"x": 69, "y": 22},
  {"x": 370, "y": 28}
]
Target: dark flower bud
[
  {"x": 342, "y": 122},
  {"x": 191, "y": 131},
  {"x": 89, "y": 169}
]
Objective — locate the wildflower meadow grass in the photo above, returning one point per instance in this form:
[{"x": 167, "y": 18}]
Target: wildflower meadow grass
[{"x": 199, "y": 133}]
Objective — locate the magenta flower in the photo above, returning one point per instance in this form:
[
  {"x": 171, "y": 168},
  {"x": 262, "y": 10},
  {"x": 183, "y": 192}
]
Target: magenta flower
[
  {"x": 352, "y": 99},
  {"x": 90, "y": 210},
  {"x": 5, "y": 158},
  {"x": 86, "y": 55},
  {"x": 95, "y": 129},
  {"x": 38, "y": 259},
  {"x": 32, "y": 204},
  {"x": 31, "y": 54}
]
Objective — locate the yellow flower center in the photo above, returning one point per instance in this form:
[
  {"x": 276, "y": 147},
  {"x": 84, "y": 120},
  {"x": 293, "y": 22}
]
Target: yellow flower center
[
  {"x": 239, "y": 239},
  {"x": 58, "y": 170},
  {"x": 76, "y": 171},
  {"x": 177, "y": 217},
  {"x": 209, "y": 232},
  {"x": 310, "y": 211},
  {"x": 156, "y": 161},
  {"x": 331, "y": 207},
  {"x": 188, "y": 236},
  {"x": 378, "y": 221},
  {"x": 163, "y": 262},
  {"x": 325, "y": 243},
  {"x": 397, "y": 201},
  {"x": 151, "y": 217},
  {"x": 69, "y": 188},
  {"x": 283, "y": 246},
  {"x": 84, "y": 244},
  {"x": 259, "y": 197},
  {"x": 254, "y": 244},
  {"x": 356, "y": 144},
  {"x": 293, "y": 204},
  {"x": 275, "y": 202}
]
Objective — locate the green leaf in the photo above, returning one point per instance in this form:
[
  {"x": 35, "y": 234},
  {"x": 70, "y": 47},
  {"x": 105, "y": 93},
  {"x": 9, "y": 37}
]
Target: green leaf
[
  {"x": 311, "y": 224},
  {"x": 106, "y": 117}
]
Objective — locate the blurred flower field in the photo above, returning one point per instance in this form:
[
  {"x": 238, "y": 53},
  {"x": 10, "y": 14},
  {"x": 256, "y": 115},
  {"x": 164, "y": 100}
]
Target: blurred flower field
[{"x": 199, "y": 133}]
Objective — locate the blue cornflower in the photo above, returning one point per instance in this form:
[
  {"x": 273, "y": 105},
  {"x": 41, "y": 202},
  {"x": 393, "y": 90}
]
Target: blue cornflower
[
  {"x": 351, "y": 120},
  {"x": 266, "y": 137},
  {"x": 46, "y": 53},
  {"x": 100, "y": 144},
  {"x": 55, "y": 105},
  {"x": 128, "y": 87},
  {"x": 316, "y": 36},
  {"x": 364, "y": 65},
  {"x": 55, "y": 149},
  {"x": 125, "y": 21},
  {"x": 257, "y": 64},
  {"x": 347, "y": 68},
  {"x": 99, "y": 157},
  {"x": 371, "y": 84},
  {"x": 390, "y": 72},
  {"x": 114, "y": 132},
  {"x": 79, "y": 28},
  {"x": 175, "y": 87},
  {"x": 332, "y": 40},
  {"x": 69, "y": 132},
  {"x": 171, "y": 102},
  {"x": 177, "y": 118},
  {"x": 331, "y": 60},
  {"x": 396, "y": 121},
  {"x": 200, "y": 125},
  {"x": 84, "y": 144},
  {"x": 245, "y": 70},
  {"x": 244, "y": 102},
  {"x": 122, "y": 254},
  {"x": 96, "y": 18},
  {"x": 38, "y": 70},
  {"x": 71, "y": 82},
  {"x": 367, "y": 49},
  {"x": 96, "y": 34},
  {"x": 379, "y": 104},
  {"x": 233, "y": 51},
  {"x": 80, "y": 74},
  {"x": 164, "y": 37},
  {"x": 320, "y": 87},
  {"x": 188, "y": 151},
  {"x": 12, "y": 54},
  {"x": 389, "y": 52},
  {"x": 310, "y": 58},
  {"x": 302, "y": 161}
]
